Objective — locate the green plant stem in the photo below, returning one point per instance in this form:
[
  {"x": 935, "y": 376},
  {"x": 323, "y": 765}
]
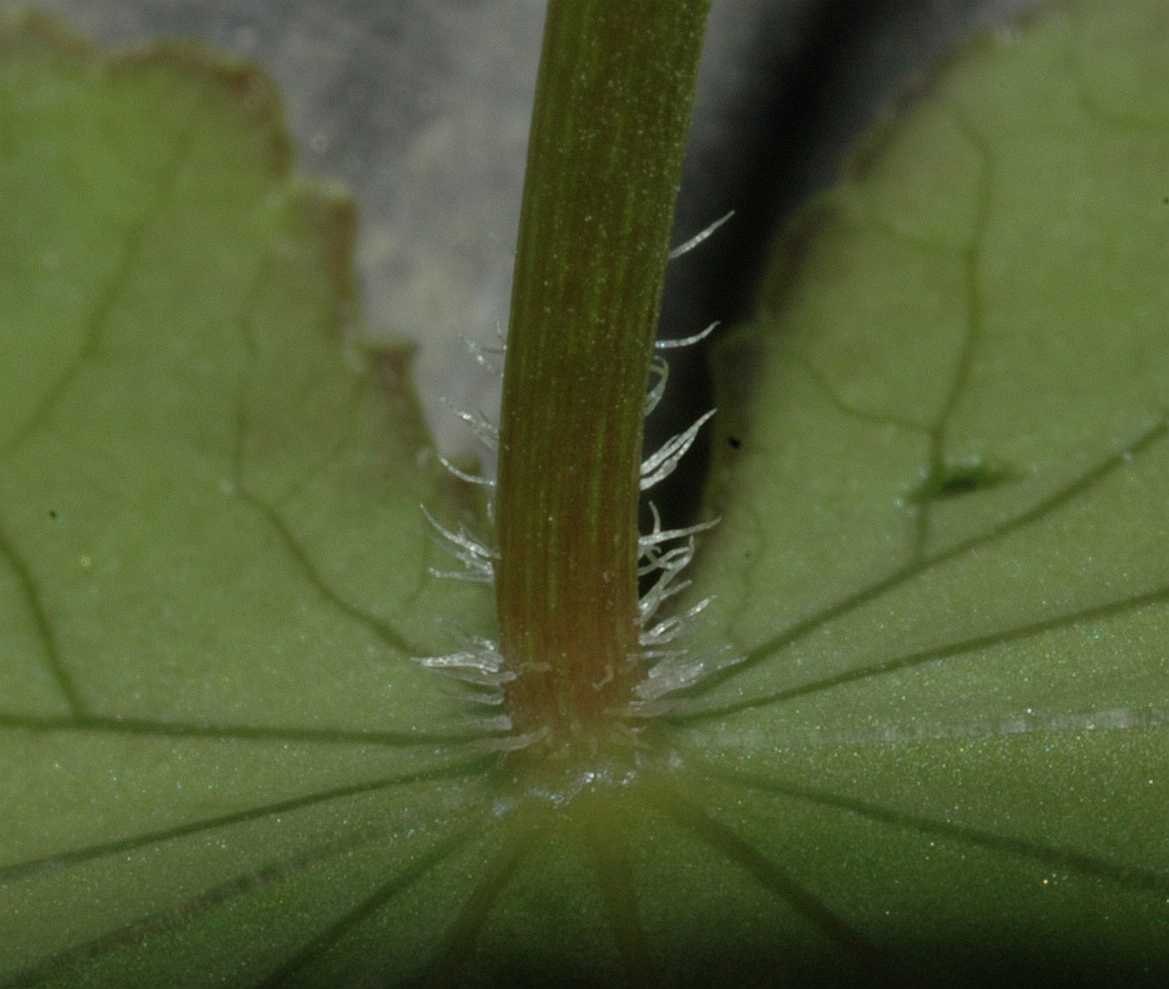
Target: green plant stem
[{"x": 613, "y": 103}]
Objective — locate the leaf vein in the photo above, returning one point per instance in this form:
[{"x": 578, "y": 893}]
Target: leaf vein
[
  {"x": 766, "y": 873},
  {"x": 1131, "y": 877},
  {"x": 110, "y": 293},
  {"x": 51, "y": 652},
  {"x": 385, "y": 632},
  {"x": 146, "y": 728},
  {"x": 463, "y": 932},
  {"x": 1041, "y": 510},
  {"x": 161, "y": 922},
  {"x": 922, "y": 657},
  {"x": 320, "y": 945},
  {"x": 51, "y": 863}
]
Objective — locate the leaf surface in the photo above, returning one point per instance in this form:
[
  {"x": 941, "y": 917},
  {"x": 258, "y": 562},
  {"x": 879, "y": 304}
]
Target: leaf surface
[
  {"x": 213, "y": 567},
  {"x": 944, "y": 553},
  {"x": 943, "y": 559}
]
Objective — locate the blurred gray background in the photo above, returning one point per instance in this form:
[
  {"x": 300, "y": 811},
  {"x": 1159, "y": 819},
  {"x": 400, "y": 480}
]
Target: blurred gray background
[{"x": 421, "y": 108}]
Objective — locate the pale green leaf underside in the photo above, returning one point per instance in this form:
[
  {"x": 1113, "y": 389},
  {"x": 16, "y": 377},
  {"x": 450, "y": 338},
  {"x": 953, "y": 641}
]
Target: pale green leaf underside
[
  {"x": 943, "y": 556},
  {"x": 213, "y": 568},
  {"x": 944, "y": 552}
]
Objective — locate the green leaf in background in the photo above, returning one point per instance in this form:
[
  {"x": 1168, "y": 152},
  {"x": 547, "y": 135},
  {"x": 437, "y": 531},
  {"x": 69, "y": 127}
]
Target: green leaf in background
[
  {"x": 944, "y": 557},
  {"x": 213, "y": 568},
  {"x": 945, "y": 495}
]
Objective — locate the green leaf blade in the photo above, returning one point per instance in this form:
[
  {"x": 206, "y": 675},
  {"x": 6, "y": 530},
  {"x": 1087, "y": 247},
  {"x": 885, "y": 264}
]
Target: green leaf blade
[
  {"x": 965, "y": 649},
  {"x": 210, "y": 703}
]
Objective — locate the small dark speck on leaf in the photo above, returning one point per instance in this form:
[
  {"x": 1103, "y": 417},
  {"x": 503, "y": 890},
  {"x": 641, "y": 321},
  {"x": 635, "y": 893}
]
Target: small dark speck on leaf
[
  {"x": 735, "y": 442},
  {"x": 961, "y": 477},
  {"x": 53, "y": 513}
]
